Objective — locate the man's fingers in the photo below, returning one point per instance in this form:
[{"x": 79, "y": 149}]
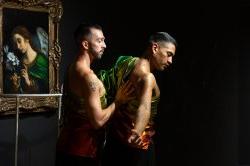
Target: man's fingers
[
  {"x": 128, "y": 88},
  {"x": 131, "y": 138},
  {"x": 127, "y": 85},
  {"x": 138, "y": 141}
]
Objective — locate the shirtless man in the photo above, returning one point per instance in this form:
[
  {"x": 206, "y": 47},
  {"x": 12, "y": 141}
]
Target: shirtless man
[
  {"x": 84, "y": 102},
  {"x": 131, "y": 130}
]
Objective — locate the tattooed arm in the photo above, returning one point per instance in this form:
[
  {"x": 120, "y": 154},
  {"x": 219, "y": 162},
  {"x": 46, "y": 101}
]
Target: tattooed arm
[{"x": 91, "y": 92}]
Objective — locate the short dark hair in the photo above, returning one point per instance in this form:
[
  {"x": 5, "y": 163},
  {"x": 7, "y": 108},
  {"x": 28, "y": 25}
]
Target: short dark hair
[
  {"x": 162, "y": 37},
  {"x": 83, "y": 30}
]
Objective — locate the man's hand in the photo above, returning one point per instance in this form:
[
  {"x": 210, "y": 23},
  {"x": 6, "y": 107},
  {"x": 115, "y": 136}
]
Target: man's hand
[
  {"x": 135, "y": 139},
  {"x": 124, "y": 93}
]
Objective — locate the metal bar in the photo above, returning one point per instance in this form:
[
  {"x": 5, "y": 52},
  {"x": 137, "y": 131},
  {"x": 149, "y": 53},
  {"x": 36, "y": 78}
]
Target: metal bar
[
  {"x": 17, "y": 113},
  {"x": 59, "y": 108},
  {"x": 59, "y": 115},
  {"x": 17, "y": 130}
]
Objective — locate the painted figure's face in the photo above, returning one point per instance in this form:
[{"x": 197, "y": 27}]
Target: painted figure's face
[
  {"x": 96, "y": 43},
  {"x": 20, "y": 43},
  {"x": 163, "y": 54}
]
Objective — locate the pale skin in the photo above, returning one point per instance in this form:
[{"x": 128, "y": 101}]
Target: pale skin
[
  {"x": 84, "y": 83},
  {"x": 23, "y": 45},
  {"x": 157, "y": 57}
]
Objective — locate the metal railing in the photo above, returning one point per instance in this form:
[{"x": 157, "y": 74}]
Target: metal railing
[{"x": 17, "y": 96}]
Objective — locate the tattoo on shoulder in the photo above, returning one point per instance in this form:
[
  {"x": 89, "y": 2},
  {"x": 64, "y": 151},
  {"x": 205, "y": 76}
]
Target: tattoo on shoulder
[{"x": 93, "y": 85}]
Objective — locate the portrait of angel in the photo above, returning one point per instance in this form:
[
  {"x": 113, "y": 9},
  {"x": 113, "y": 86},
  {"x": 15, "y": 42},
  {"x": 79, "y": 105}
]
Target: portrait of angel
[{"x": 26, "y": 63}]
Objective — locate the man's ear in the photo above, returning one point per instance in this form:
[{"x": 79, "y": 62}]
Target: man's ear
[
  {"x": 85, "y": 44},
  {"x": 154, "y": 47}
]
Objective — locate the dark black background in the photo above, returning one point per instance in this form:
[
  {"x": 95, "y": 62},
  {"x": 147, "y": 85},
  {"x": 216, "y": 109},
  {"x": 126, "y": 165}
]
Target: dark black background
[
  {"x": 201, "y": 94},
  {"x": 203, "y": 116}
]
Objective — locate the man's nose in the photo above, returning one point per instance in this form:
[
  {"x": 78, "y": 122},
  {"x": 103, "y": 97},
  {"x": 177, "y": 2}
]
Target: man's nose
[
  {"x": 104, "y": 45},
  {"x": 170, "y": 60}
]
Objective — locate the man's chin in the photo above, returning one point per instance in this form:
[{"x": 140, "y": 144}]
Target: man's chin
[
  {"x": 99, "y": 56},
  {"x": 162, "y": 68}
]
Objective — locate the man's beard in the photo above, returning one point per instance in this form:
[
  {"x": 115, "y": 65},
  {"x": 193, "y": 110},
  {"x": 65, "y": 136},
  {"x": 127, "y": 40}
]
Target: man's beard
[{"x": 97, "y": 55}]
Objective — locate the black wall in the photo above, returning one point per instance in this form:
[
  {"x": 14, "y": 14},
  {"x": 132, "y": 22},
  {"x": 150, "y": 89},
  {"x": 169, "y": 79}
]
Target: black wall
[
  {"x": 37, "y": 139},
  {"x": 244, "y": 88},
  {"x": 203, "y": 113},
  {"x": 198, "y": 113}
]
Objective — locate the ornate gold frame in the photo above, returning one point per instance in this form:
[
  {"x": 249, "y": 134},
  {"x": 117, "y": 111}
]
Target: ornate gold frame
[{"x": 41, "y": 103}]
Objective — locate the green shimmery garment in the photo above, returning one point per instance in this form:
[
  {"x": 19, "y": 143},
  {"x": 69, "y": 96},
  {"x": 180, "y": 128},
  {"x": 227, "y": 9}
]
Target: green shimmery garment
[
  {"x": 124, "y": 118},
  {"x": 38, "y": 75}
]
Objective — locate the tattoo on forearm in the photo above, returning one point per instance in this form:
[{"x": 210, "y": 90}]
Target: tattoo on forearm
[{"x": 93, "y": 85}]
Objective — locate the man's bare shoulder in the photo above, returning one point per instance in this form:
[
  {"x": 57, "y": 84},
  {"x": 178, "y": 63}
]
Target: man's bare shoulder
[
  {"x": 142, "y": 70},
  {"x": 148, "y": 78},
  {"x": 142, "y": 67},
  {"x": 90, "y": 80},
  {"x": 82, "y": 70},
  {"x": 87, "y": 77}
]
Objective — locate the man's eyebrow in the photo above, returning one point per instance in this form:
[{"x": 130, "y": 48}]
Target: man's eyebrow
[{"x": 170, "y": 53}]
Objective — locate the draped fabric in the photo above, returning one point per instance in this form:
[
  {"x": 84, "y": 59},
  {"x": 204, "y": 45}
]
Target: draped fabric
[
  {"x": 38, "y": 75},
  {"x": 40, "y": 69},
  {"x": 116, "y": 76},
  {"x": 124, "y": 118}
]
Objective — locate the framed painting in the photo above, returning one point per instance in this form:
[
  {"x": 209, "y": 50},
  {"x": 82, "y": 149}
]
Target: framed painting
[{"x": 30, "y": 54}]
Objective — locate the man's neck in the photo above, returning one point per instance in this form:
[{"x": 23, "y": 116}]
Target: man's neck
[
  {"x": 147, "y": 57},
  {"x": 85, "y": 57}
]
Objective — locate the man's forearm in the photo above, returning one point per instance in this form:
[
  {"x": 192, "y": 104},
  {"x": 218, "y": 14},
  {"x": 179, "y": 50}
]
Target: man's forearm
[{"x": 142, "y": 120}]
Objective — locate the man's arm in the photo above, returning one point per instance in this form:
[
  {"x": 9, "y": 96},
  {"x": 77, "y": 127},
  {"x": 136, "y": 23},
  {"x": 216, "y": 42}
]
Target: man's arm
[
  {"x": 144, "y": 109},
  {"x": 98, "y": 116}
]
